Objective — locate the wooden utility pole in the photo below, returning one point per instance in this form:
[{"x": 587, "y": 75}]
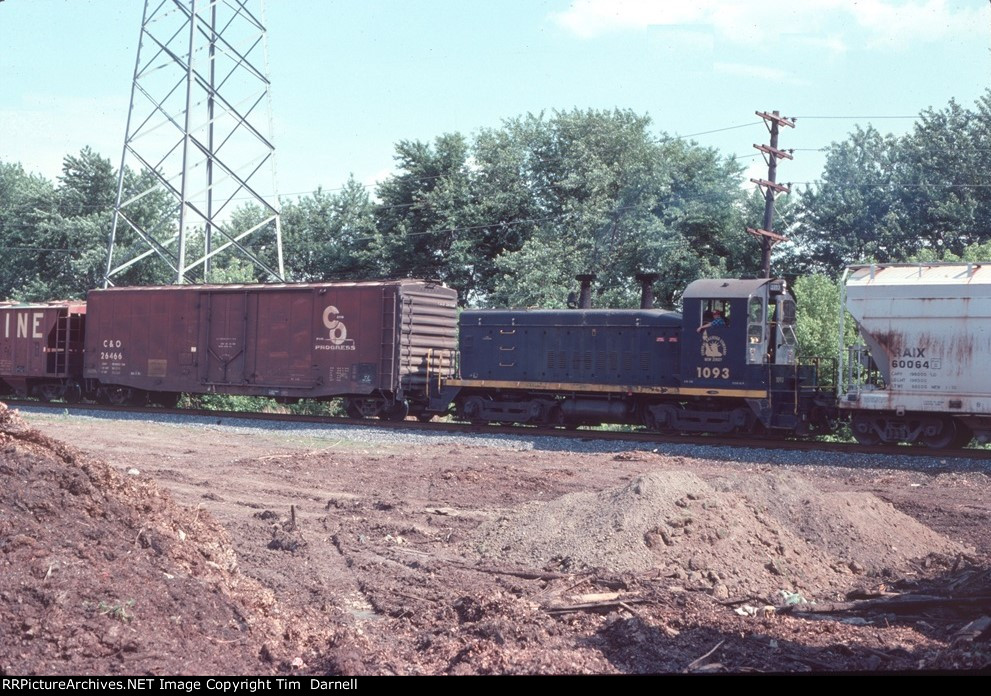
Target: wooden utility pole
[{"x": 770, "y": 187}]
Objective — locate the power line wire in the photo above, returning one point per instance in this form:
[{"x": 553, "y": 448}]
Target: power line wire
[
  {"x": 807, "y": 118},
  {"x": 717, "y": 130}
]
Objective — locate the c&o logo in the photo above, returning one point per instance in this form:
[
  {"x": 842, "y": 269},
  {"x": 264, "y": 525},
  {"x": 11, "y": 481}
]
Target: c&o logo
[
  {"x": 337, "y": 332},
  {"x": 332, "y": 320}
]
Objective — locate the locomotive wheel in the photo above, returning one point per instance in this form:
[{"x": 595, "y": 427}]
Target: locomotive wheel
[
  {"x": 471, "y": 409},
  {"x": 759, "y": 431},
  {"x": 862, "y": 428},
  {"x": 650, "y": 420}
]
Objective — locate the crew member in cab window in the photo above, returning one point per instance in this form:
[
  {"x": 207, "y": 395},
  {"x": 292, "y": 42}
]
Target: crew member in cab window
[{"x": 716, "y": 321}]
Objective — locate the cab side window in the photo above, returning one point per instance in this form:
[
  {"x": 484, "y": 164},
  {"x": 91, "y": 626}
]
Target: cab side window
[{"x": 715, "y": 313}]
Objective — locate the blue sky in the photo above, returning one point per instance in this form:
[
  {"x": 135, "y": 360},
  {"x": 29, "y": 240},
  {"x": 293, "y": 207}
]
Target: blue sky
[{"x": 350, "y": 78}]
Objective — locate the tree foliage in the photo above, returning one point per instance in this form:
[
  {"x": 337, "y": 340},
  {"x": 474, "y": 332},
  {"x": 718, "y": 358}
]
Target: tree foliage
[
  {"x": 54, "y": 235},
  {"x": 512, "y": 215},
  {"x": 326, "y": 234},
  {"x": 509, "y": 215},
  {"x": 885, "y": 198}
]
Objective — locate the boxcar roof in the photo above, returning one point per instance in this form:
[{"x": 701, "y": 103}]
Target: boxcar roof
[
  {"x": 274, "y": 286},
  {"x": 78, "y": 306}
]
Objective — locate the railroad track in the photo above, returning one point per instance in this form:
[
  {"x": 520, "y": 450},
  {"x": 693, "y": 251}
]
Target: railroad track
[{"x": 526, "y": 431}]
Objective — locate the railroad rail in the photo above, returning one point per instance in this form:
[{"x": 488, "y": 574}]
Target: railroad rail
[{"x": 645, "y": 437}]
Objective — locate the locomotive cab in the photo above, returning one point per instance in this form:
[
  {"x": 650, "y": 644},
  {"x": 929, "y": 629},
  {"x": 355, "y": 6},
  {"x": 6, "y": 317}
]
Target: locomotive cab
[
  {"x": 739, "y": 342},
  {"x": 734, "y": 329}
]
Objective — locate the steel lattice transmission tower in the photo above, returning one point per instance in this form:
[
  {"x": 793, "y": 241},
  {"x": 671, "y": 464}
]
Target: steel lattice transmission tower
[{"x": 199, "y": 97}]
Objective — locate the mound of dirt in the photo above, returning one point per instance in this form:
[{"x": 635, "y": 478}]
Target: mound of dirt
[
  {"x": 102, "y": 573},
  {"x": 736, "y": 536}
]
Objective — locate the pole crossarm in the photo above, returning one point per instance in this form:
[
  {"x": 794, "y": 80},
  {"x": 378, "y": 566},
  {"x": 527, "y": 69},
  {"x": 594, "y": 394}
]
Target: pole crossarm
[
  {"x": 773, "y": 151},
  {"x": 770, "y": 187},
  {"x": 774, "y": 118},
  {"x": 765, "y": 184},
  {"x": 773, "y": 236}
]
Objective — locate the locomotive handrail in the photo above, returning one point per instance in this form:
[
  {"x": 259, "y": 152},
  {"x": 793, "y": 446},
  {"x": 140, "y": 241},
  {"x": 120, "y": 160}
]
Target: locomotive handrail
[{"x": 840, "y": 334}]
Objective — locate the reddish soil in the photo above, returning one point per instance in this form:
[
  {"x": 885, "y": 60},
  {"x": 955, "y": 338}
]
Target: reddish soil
[{"x": 262, "y": 553}]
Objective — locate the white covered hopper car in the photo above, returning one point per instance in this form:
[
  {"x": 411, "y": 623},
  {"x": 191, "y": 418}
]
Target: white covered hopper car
[{"x": 923, "y": 371}]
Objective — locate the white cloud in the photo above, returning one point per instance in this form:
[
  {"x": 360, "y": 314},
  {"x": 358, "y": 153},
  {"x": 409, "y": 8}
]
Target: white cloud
[
  {"x": 833, "y": 44},
  {"x": 764, "y": 73},
  {"x": 890, "y": 23}
]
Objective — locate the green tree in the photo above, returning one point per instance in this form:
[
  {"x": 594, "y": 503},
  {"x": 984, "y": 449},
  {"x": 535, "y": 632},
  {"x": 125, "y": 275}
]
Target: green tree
[
  {"x": 938, "y": 181},
  {"x": 817, "y": 297},
  {"x": 27, "y": 206},
  {"x": 54, "y": 236},
  {"x": 885, "y": 198},
  {"x": 327, "y": 234},
  {"x": 613, "y": 199},
  {"x": 512, "y": 214},
  {"x": 851, "y": 215},
  {"x": 419, "y": 210}
]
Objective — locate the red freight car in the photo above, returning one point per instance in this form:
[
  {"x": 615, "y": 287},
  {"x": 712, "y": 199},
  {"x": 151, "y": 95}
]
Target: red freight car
[
  {"x": 383, "y": 345},
  {"x": 41, "y": 349}
]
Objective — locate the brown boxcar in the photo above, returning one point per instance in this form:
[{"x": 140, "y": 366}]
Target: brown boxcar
[
  {"x": 41, "y": 349},
  {"x": 382, "y": 344}
]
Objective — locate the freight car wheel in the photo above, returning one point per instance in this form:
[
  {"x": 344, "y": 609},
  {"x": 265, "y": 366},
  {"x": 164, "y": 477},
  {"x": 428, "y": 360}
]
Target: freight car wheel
[
  {"x": 121, "y": 396},
  {"x": 963, "y": 438},
  {"x": 73, "y": 393},
  {"x": 863, "y": 431},
  {"x": 363, "y": 408},
  {"x": 49, "y": 392},
  {"x": 944, "y": 438},
  {"x": 397, "y": 412}
]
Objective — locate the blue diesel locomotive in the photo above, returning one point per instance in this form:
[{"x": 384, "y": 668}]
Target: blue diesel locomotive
[{"x": 728, "y": 363}]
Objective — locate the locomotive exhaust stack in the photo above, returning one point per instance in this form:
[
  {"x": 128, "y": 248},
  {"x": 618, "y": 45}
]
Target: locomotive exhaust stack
[
  {"x": 585, "y": 296},
  {"x": 647, "y": 281}
]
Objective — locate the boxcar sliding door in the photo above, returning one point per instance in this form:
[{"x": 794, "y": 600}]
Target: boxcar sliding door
[{"x": 224, "y": 317}]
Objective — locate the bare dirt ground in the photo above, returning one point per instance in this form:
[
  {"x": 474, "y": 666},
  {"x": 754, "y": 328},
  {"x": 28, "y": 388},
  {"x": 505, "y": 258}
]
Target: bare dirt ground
[{"x": 205, "y": 550}]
